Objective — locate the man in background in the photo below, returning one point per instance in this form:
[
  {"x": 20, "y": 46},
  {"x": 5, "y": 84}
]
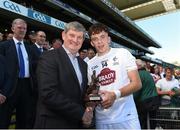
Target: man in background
[
  {"x": 146, "y": 99},
  {"x": 90, "y": 54},
  {"x": 56, "y": 43},
  {"x": 20, "y": 82}
]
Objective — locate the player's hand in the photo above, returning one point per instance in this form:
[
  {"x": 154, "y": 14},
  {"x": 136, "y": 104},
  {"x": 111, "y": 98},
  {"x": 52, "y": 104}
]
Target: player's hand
[{"x": 108, "y": 98}]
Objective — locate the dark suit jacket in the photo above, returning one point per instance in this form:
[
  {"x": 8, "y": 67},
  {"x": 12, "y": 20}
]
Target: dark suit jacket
[
  {"x": 60, "y": 96},
  {"x": 8, "y": 50},
  {"x": 36, "y": 53},
  {"x": 35, "y": 50},
  {"x": 2, "y": 74}
]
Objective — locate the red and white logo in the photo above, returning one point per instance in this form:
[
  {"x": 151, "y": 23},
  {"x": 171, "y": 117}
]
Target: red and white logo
[{"x": 106, "y": 76}]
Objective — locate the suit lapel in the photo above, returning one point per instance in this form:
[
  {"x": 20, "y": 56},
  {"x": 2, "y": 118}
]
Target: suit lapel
[
  {"x": 14, "y": 51},
  {"x": 83, "y": 72}
]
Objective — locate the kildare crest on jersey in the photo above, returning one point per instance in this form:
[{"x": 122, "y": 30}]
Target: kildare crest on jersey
[
  {"x": 115, "y": 61},
  {"x": 106, "y": 76}
]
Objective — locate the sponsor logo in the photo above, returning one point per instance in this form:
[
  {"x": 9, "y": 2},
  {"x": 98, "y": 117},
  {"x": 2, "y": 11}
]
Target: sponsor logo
[
  {"x": 11, "y": 6},
  {"x": 106, "y": 76}
]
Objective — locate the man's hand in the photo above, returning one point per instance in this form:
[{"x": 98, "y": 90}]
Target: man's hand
[
  {"x": 108, "y": 98},
  {"x": 171, "y": 93},
  {"x": 2, "y": 98},
  {"x": 87, "y": 117}
]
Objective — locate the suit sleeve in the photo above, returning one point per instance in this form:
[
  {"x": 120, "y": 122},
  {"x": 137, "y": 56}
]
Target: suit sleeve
[
  {"x": 2, "y": 48},
  {"x": 50, "y": 96},
  {"x": 3, "y": 76}
]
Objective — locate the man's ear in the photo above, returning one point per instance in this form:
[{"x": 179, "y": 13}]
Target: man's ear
[
  {"x": 92, "y": 44},
  {"x": 12, "y": 28},
  {"x": 109, "y": 39},
  {"x": 63, "y": 35}
]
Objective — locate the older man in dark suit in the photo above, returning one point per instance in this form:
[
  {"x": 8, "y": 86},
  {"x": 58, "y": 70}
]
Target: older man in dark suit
[
  {"x": 62, "y": 81},
  {"x": 20, "y": 78}
]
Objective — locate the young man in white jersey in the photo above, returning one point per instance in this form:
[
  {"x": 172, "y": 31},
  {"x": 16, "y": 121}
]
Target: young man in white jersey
[{"x": 118, "y": 78}]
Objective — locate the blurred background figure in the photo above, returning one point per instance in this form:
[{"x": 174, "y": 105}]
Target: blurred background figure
[
  {"x": 156, "y": 73},
  {"x": 46, "y": 45},
  {"x": 32, "y": 37},
  {"x": 9, "y": 36},
  {"x": 148, "y": 66},
  {"x": 56, "y": 43},
  {"x": 1, "y": 36},
  {"x": 166, "y": 85},
  {"x": 146, "y": 98},
  {"x": 40, "y": 39},
  {"x": 83, "y": 54},
  {"x": 177, "y": 74},
  {"x": 37, "y": 47},
  {"x": 90, "y": 54},
  {"x": 161, "y": 71}
]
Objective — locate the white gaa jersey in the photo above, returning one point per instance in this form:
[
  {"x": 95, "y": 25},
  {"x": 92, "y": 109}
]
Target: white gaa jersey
[{"x": 111, "y": 70}]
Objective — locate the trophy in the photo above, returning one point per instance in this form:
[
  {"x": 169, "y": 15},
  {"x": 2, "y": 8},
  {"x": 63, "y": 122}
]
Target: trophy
[{"x": 92, "y": 97}]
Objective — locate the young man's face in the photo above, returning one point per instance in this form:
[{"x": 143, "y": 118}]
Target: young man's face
[{"x": 101, "y": 42}]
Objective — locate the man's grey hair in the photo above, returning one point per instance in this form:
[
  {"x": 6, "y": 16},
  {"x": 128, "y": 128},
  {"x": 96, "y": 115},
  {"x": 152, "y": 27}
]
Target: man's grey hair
[
  {"x": 75, "y": 26},
  {"x": 18, "y": 20},
  {"x": 140, "y": 63}
]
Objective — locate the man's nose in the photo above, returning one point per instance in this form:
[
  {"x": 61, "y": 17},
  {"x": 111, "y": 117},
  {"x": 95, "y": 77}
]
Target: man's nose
[{"x": 75, "y": 39}]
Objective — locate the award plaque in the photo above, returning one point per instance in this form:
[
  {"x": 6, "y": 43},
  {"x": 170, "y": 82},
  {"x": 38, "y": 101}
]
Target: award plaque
[{"x": 92, "y": 95}]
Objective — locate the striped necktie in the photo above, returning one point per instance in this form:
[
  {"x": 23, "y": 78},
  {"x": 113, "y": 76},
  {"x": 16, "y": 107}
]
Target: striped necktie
[{"x": 21, "y": 61}]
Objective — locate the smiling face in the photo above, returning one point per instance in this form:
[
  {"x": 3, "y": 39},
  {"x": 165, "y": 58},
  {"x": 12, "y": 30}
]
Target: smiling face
[
  {"x": 40, "y": 38},
  {"x": 101, "y": 42},
  {"x": 169, "y": 74},
  {"x": 73, "y": 40}
]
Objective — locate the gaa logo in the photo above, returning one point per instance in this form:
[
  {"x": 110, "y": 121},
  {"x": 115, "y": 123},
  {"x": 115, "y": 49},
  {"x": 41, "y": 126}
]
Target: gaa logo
[
  {"x": 39, "y": 17},
  {"x": 59, "y": 24},
  {"x": 11, "y": 6}
]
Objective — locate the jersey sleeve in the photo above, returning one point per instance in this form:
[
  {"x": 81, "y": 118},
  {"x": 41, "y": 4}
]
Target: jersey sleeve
[{"x": 130, "y": 61}]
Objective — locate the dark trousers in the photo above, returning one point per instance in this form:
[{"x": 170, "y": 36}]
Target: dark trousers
[
  {"x": 21, "y": 100},
  {"x": 150, "y": 106}
]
